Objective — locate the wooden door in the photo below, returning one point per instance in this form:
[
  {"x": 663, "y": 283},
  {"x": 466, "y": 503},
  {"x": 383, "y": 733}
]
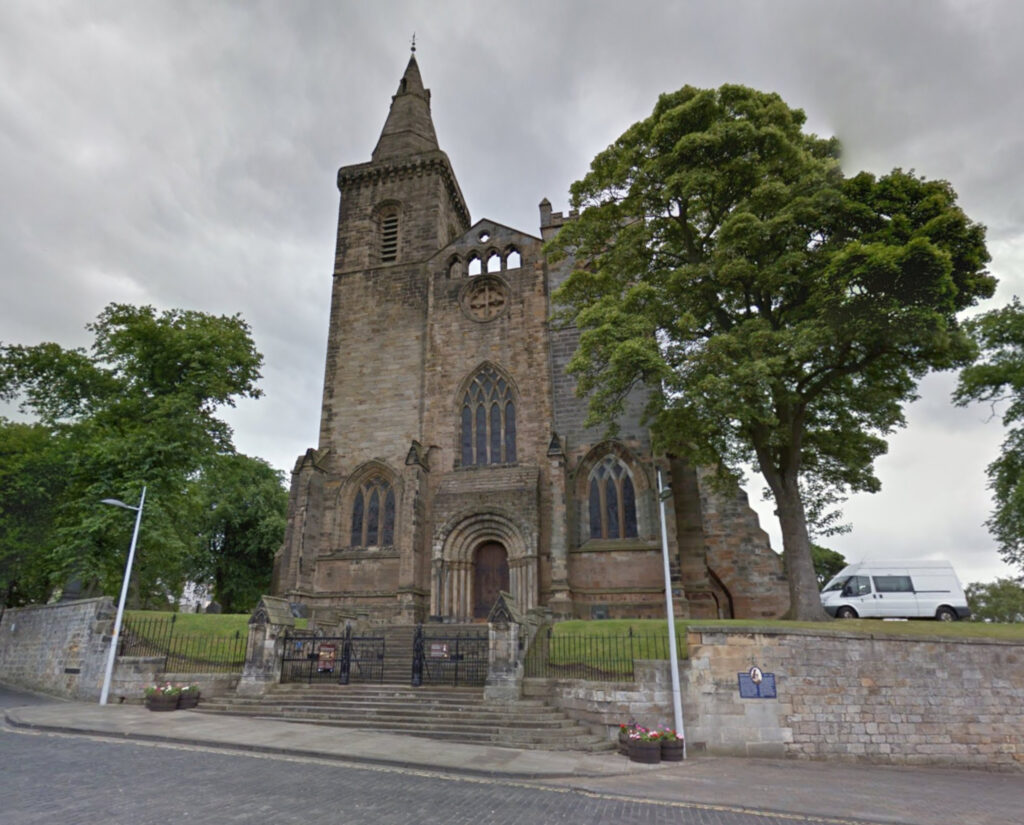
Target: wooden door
[{"x": 490, "y": 576}]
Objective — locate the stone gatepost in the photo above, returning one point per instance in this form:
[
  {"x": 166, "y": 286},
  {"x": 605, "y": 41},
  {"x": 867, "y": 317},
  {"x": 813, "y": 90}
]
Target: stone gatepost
[
  {"x": 267, "y": 626},
  {"x": 560, "y": 600},
  {"x": 504, "y": 665}
]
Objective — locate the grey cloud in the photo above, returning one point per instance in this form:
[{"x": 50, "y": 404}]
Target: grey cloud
[{"x": 184, "y": 154}]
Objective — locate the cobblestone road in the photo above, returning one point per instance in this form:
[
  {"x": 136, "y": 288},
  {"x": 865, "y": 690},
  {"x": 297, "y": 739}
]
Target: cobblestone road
[{"x": 47, "y": 778}]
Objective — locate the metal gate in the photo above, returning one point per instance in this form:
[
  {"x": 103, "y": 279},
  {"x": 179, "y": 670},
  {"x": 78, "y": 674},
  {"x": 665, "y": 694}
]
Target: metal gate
[
  {"x": 452, "y": 659},
  {"x": 342, "y": 659}
]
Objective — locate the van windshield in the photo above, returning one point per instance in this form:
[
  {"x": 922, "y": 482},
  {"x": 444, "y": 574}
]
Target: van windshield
[{"x": 837, "y": 584}]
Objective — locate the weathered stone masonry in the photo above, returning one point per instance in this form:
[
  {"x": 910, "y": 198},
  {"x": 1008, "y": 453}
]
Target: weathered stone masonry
[
  {"x": 61, "y": 649},
  {"x": 840, "y": 695},
  {"x": 453, "y": 460}
]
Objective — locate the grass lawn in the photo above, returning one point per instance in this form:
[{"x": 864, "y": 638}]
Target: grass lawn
[
  {"x": 605, "y": 649},
  {"x": 214, "y": 625},
  {"x": 923, "y": 628},
  {"x": 211, "y": 625}
]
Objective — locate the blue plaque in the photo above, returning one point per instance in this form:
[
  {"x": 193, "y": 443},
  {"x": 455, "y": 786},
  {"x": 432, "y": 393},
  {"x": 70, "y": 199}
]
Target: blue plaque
[{"x": 749, "y": 689}]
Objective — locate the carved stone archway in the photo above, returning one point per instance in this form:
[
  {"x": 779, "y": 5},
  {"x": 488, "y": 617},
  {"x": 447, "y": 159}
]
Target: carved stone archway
[{"x": 454, "y": 557}]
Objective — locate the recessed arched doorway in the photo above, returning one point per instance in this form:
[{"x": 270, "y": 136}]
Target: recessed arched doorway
[{"x": 490, "y": 577}]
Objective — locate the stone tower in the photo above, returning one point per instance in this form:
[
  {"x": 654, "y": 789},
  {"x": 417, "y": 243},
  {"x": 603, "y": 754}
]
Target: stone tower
[{"x": 453, "y": 462}]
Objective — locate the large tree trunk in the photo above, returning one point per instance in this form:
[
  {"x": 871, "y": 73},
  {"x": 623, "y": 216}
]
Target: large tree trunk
[{"x": 804, "y": 600}]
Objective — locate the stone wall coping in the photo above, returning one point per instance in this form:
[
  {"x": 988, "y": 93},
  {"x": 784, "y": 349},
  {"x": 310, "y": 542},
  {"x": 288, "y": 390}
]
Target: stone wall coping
[
  {"x": 61, "y": 605},
  {"x": 591, "y": 684},
  {"x": 137, "y": 659},
  {"x": 761, "y": 630}
]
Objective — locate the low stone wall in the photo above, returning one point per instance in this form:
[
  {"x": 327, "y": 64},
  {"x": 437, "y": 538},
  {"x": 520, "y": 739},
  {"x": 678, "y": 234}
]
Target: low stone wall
[
  {"x": 606, "y": 705},
  {"x": 133, "y": 674},
  {"x": 839, "y": 695},
  {"x": 59, "y": 649},
  {"x": 62, "y": 649}
]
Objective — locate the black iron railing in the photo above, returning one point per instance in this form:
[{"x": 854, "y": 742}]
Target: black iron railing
[
  {"x": 182, "y": 652},
  {"x": 454, "y": 659},
  {"x": 556, "y": 656},
  {"x": 309, "y": 658}
]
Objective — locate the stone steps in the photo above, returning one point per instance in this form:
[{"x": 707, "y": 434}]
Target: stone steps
[
  {"x": 456, "y": 714},
  {"x": 512, "y": 718}
]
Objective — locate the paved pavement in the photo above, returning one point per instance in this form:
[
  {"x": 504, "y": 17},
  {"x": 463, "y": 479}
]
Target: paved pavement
[{"x": 840, "y": 793}]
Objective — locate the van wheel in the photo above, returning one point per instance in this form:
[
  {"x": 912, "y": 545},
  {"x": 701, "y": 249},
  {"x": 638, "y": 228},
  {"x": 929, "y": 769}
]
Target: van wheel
[
  {"x": 946, "y": 614},
  {"x": 846, "y": 613}
]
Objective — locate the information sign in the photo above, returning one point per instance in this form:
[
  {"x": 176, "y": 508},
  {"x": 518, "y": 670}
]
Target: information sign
[
  {"x": 325, "y": 659},
  {"x": 749, "y": 689}
]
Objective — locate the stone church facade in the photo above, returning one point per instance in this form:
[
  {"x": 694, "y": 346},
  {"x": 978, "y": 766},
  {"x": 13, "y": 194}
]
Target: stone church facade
[{"x": 453, "y": 462}]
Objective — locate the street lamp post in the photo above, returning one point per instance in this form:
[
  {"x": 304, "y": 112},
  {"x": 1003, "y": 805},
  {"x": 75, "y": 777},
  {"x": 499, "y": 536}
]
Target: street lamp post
[
  {"x": 677, "y": 707},
  {"x": 124, "y": 591}
]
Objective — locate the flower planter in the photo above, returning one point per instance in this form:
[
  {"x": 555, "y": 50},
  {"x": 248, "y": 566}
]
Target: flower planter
[
  {"x": 188, "y": 699},
  {"x": 648, "y": 753},
  {"x": 162, "y": 703},
  {"x": 671, "y": 750}
]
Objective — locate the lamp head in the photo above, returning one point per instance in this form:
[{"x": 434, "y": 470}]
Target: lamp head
[{"x": 117, "y": 503}]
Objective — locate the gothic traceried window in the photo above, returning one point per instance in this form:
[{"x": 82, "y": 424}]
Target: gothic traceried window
[
  {"x": 612, "y": 501},
  {"x": 488, "y": 421},
  {"x": 373, "y": 514}
]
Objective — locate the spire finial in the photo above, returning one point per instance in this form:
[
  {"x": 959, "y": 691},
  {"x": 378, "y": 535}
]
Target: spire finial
[{"x": 414, "y": 42}]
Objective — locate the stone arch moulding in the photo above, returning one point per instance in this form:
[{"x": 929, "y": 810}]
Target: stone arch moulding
[
  {"x": 455, "y": 543},
  {"x": 642, "y": 473},
  {"x": 512, "y": 398},
  {"x": 474, "y": 372},
  {"x": 513, "y": 258},
  {"x": 342, "y": 527},
  {"x": 642, "y": 476}
]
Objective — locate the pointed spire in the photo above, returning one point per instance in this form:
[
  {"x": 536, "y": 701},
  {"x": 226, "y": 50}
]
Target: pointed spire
[{"x": 409, "y": 129}]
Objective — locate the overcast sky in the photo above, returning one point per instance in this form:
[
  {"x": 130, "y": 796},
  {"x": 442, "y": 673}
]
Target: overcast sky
[{"x": 183, "y": 154}]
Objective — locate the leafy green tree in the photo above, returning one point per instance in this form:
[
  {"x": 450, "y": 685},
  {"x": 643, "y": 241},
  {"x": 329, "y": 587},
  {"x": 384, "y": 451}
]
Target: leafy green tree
[
  {"x": 827, "y": 563},
  {"x": 998, "y": 379},
  {"x": 137, "y": 409},
  {"x": 998, "y": 601},
  {"x": 242, "y": 522},
  {"x": 780, "y": 312},
  {"x": 31, "y": 482}
]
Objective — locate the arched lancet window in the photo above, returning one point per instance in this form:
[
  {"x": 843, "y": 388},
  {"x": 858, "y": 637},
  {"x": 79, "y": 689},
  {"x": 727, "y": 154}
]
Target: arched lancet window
[
  {"x": 494, "y": 262},
  {"x": 612, "y": 501},
  {"x": 389, "y": 236},
  {"x": 475, "y": 266},
  {"x": 488, "y": 420},
  {"x": 373, "y": 514},
  {"x": 513, "y": 260}
]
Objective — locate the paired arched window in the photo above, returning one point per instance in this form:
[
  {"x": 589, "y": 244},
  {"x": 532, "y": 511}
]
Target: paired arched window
[
  {"x": 490, "y": 261},
  {"x": 612, "y": 499},
  {"x": 488, "y": 420},
  {"x": 373, "y": 514}
]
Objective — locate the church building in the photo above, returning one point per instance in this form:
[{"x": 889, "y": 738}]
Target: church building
[{"x": 453, "y": 462}]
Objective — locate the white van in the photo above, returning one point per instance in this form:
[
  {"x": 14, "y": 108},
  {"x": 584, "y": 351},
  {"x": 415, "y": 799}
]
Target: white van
[{"x": 896, "y": 589}]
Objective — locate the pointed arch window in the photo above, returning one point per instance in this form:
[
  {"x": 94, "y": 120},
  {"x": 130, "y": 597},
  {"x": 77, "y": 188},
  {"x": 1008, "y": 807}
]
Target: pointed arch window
[
  {"x": 373, "y": 514},
  {"x": 612, "y": 501},
  {"x": 488, "y": 421}
]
